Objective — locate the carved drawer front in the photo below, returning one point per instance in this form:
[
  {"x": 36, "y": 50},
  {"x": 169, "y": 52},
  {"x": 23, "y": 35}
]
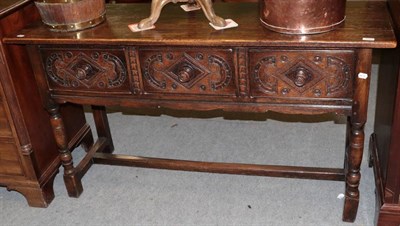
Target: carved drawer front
[
  {"x": 86, "y": 70},
  {"x": 9, "y": 161},
  {"x": 5, "y": 129},
  {"x": 188, "y": 71},
  {"x": 301, "y": 74}
]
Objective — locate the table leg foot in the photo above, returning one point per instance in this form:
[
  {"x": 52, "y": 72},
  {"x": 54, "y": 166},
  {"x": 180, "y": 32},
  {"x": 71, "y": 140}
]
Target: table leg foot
[
  {"x": 350, "y": 209},
  {"x": 73, "y": 185}
]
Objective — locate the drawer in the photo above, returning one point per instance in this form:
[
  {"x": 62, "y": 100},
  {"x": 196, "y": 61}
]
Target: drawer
[
  {"x": 192, "y": 71},
  {"x": 301, "y": 74},
  {"x": 5, "y": 129},
  {"x": 86, "y": 70},
  {"x": 9, "y": 160}
]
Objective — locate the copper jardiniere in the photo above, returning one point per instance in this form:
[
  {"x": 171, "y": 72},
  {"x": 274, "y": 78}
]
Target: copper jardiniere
[{"x": 302, "y": 16}]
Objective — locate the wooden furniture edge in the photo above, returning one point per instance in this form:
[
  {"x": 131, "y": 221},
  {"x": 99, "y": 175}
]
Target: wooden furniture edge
[{"x": 14, "y": 7}]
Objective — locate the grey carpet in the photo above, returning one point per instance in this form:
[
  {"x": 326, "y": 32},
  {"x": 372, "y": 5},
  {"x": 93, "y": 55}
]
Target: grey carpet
[{"x": 116, "y": 195}]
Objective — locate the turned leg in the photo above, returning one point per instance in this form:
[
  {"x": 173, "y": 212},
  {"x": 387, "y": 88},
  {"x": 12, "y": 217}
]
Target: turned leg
[
  {"x": 72, "y": 182},
  {"x": 356, "y": 141},
  {"x": 354, "y": 157},
  {"x": 102, "y": 127}
]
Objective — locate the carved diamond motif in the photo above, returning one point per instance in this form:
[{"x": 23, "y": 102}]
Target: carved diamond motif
[
  {"x": 84, "y": 68},
  {"x": 187, "y": 71},
  {"x": 302, "y": 76}
]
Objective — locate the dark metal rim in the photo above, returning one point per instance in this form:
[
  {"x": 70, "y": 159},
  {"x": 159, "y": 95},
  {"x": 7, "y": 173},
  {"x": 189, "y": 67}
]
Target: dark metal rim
[
  {"x": 77, "y": 26},
  {"x": 58, "y": 1},
  {"x": 313, "y": 30}
]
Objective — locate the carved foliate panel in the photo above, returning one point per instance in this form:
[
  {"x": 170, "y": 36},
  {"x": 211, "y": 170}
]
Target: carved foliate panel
[
  {"x": 188, "y": 71},
  {"x": 86, "y": 70},
  {"x": 303, "y": 74}
]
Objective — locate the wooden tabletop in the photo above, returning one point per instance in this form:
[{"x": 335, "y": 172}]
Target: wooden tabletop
[
  {"x": 8, "y": 6},
  {"x": 176, "y": 27}
]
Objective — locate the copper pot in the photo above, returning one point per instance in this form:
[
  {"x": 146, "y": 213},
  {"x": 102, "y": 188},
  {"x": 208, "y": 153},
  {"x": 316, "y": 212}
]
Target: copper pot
[{"x": 302, "y": 16}]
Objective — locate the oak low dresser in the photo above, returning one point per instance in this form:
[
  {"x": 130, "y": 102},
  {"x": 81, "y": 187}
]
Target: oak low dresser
[{"x": 186, "y": 64}]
